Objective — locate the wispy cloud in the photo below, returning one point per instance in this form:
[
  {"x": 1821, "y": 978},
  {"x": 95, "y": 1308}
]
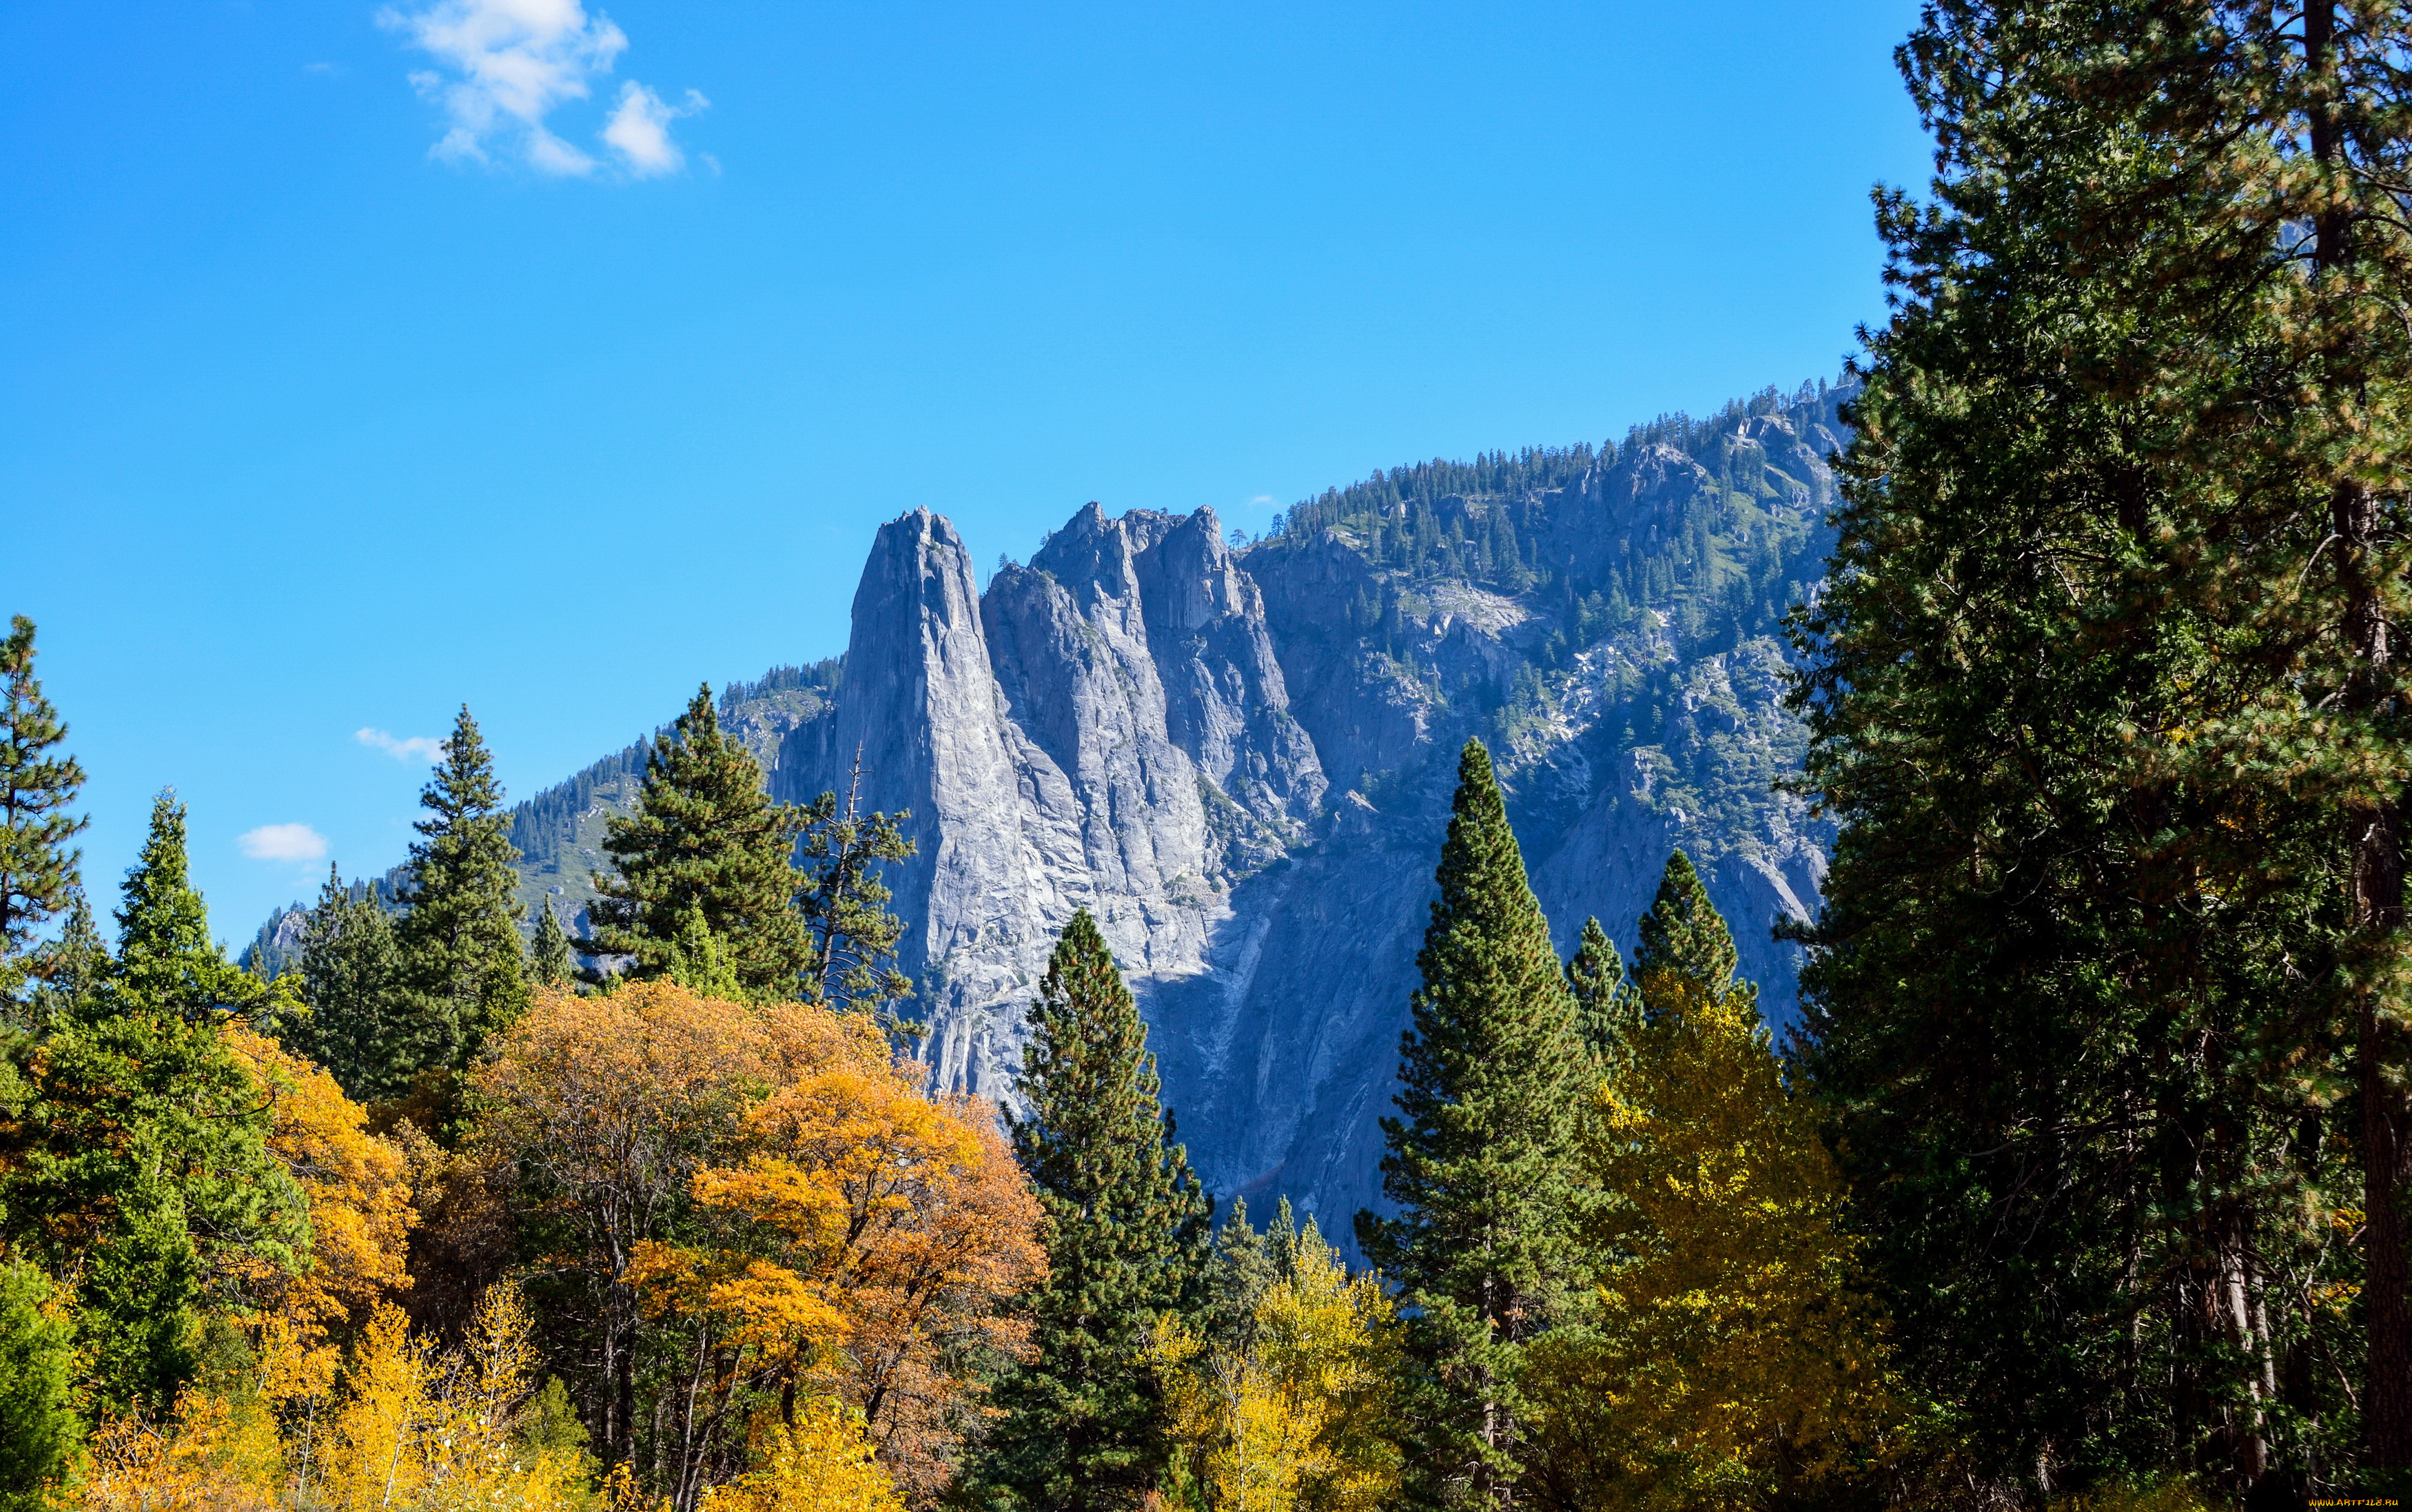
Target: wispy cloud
[
  {"x": 402, "y": 747},
  {"x": 506, "y": 64},
  {"x": 283, "y": 842},
  {"x": 639, "y": 129}
]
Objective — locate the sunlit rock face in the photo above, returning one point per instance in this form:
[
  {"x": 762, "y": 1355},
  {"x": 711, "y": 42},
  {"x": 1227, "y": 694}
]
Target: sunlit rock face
[
  {"x": 1247, "y": 786},
  {"x": 1240, "y": 760}
]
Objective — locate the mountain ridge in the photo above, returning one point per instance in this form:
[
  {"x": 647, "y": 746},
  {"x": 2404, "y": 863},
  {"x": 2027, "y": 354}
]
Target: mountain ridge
[{"x": 1236, "y": 755}]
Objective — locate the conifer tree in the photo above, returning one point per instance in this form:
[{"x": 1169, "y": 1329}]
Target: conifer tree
[
  {"x": 549, "y": 959},
  {"x": 1683, "y": 933},
  {"x": 38, "y": 875},
  {"x": 1606, "y": 1008},
  {"x": 854, "y": 936},
  {"x": 38, "y": 1428},
  {"x": 133, "y": 1153},
  {"x": 699, "y": 963},
  {"x": 463, "y": 966},
  {"x": 75, "y": 967},
  {"x": 1238, "y": 1273},
  {"x": 1491, "y": 1072},
  {"x": 1125, "y": 1226},
  {"x": 2105, "y": 694},
  {"x": 706, "y": 836},
  {"x": 350, "y": 979},
  {"x": 167, "y": 963}
]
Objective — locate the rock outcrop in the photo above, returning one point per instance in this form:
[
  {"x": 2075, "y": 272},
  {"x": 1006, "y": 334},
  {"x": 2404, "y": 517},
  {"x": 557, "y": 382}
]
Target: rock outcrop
[
  {"x": 1239, "y": 761},
  {"x": 1248, "y": 787}
]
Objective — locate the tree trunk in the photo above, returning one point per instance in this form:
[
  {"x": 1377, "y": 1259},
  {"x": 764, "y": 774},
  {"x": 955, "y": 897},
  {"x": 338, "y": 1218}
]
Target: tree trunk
[
  {"x": 2375, "y": 838},
  {"x": 2374, "y": 835}
]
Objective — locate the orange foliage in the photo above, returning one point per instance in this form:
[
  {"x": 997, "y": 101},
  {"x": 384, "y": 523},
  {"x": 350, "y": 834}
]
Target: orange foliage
[
  {"x": 602, "y": 1110},
  {"x": 871, "y": 1242},
  {"x": 361, "y": 1212}
]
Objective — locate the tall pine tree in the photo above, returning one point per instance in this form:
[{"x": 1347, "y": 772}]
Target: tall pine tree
[
  {"x": 463, "y": 967},
  {"x": 1126, "y": 1229},
  {"x": 1478, "y": 1165},
  {"x": 706, "y": 836},
  {"x": 2102, "y": 692},
  {"x": 1683, "y": 934},
  {"x": 133, "y": 1153},
  {"x": 350, "y": 979},
  {"x": 549, "y": 958},
  {"x": 1606, "y": 1007},
  {"x": 38, "y": 875}
]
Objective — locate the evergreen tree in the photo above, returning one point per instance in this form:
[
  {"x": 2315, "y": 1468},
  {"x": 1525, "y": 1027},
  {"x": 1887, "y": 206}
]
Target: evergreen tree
[
  {"x": 699, "y": 962},
  {"x": 854, "y": 936},
  {"x": 350, "y": 979},
  {"x": 133, "y": 1153},
  {"x": 75, "y": 967},
  {"x": 1683, "y": 934},
  {"x": 1125, "y": 1224},
  {"x": 549, "y": 958},
  {"x": 1238, "y": 1273},
  {"x": 706, "y": 836},
  {"x": 2103, "y": 696},
  {"x": 38, "y": 1429},
  {"x": 167, "y": 963},
  {"x": 37, "y": 872},
  {"x": 1606, "y": 1009},
  {"x": 463, "y": 967},
  {"x": 1491, "y": 1071}
]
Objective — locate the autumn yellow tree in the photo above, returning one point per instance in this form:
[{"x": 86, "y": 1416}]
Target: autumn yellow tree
[
  {"x": 867, "y": 1243},
  {"x": 1731, "y": 1354},
  {"x": 821, "y": 1462},
  {"x": 1295, "y": 1417},
  {"x": 358, "y": 1192},
  {"x": 598, "y": 1112},
  {"x": 414, "y": 1429},
  {"x": 761, "y": 1207}
]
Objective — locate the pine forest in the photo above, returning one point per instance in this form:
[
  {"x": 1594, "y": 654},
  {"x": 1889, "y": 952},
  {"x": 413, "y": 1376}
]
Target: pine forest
[{"x": 2037, "y": 1135}]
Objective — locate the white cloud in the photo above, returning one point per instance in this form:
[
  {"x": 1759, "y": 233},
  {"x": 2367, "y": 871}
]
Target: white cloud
[
  {"x": 639, "y": 129},
  {"x": 402, "y": 748},
  {"x": 505, "y": 65},
  {"x": 283, "y": 842}
]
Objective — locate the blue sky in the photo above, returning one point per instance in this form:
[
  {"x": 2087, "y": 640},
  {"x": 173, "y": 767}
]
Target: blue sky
[{"x": 359, "y": 360}]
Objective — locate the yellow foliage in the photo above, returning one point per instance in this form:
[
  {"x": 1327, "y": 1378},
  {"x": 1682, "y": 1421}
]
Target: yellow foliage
[
  {"x": 1730, "y": 1340},
  {"x": 414, "y": 1430},
  {"x": 217, "y": 1457},
  {"x": 1301, "y": 1419},
  {"x": 868, "y": 1239},
  {"x": 360, "y": 1215},
  {"x": 822, "y": 1464}
]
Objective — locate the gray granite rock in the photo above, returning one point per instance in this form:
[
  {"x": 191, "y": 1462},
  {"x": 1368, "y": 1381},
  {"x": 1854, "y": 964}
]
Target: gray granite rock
[
  {"x": 1194, "y": 745},
  {"x": 1246, "y": 780}
]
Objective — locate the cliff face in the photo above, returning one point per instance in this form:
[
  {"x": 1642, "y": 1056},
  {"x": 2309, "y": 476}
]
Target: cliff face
[
  {"x": 1107, "y": 729},
  {"x": 1240, "y": 763}
]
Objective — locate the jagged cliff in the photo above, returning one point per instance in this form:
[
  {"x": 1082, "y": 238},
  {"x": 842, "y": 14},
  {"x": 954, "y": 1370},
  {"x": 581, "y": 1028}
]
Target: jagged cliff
[{"x": 1239, "y": 762}]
